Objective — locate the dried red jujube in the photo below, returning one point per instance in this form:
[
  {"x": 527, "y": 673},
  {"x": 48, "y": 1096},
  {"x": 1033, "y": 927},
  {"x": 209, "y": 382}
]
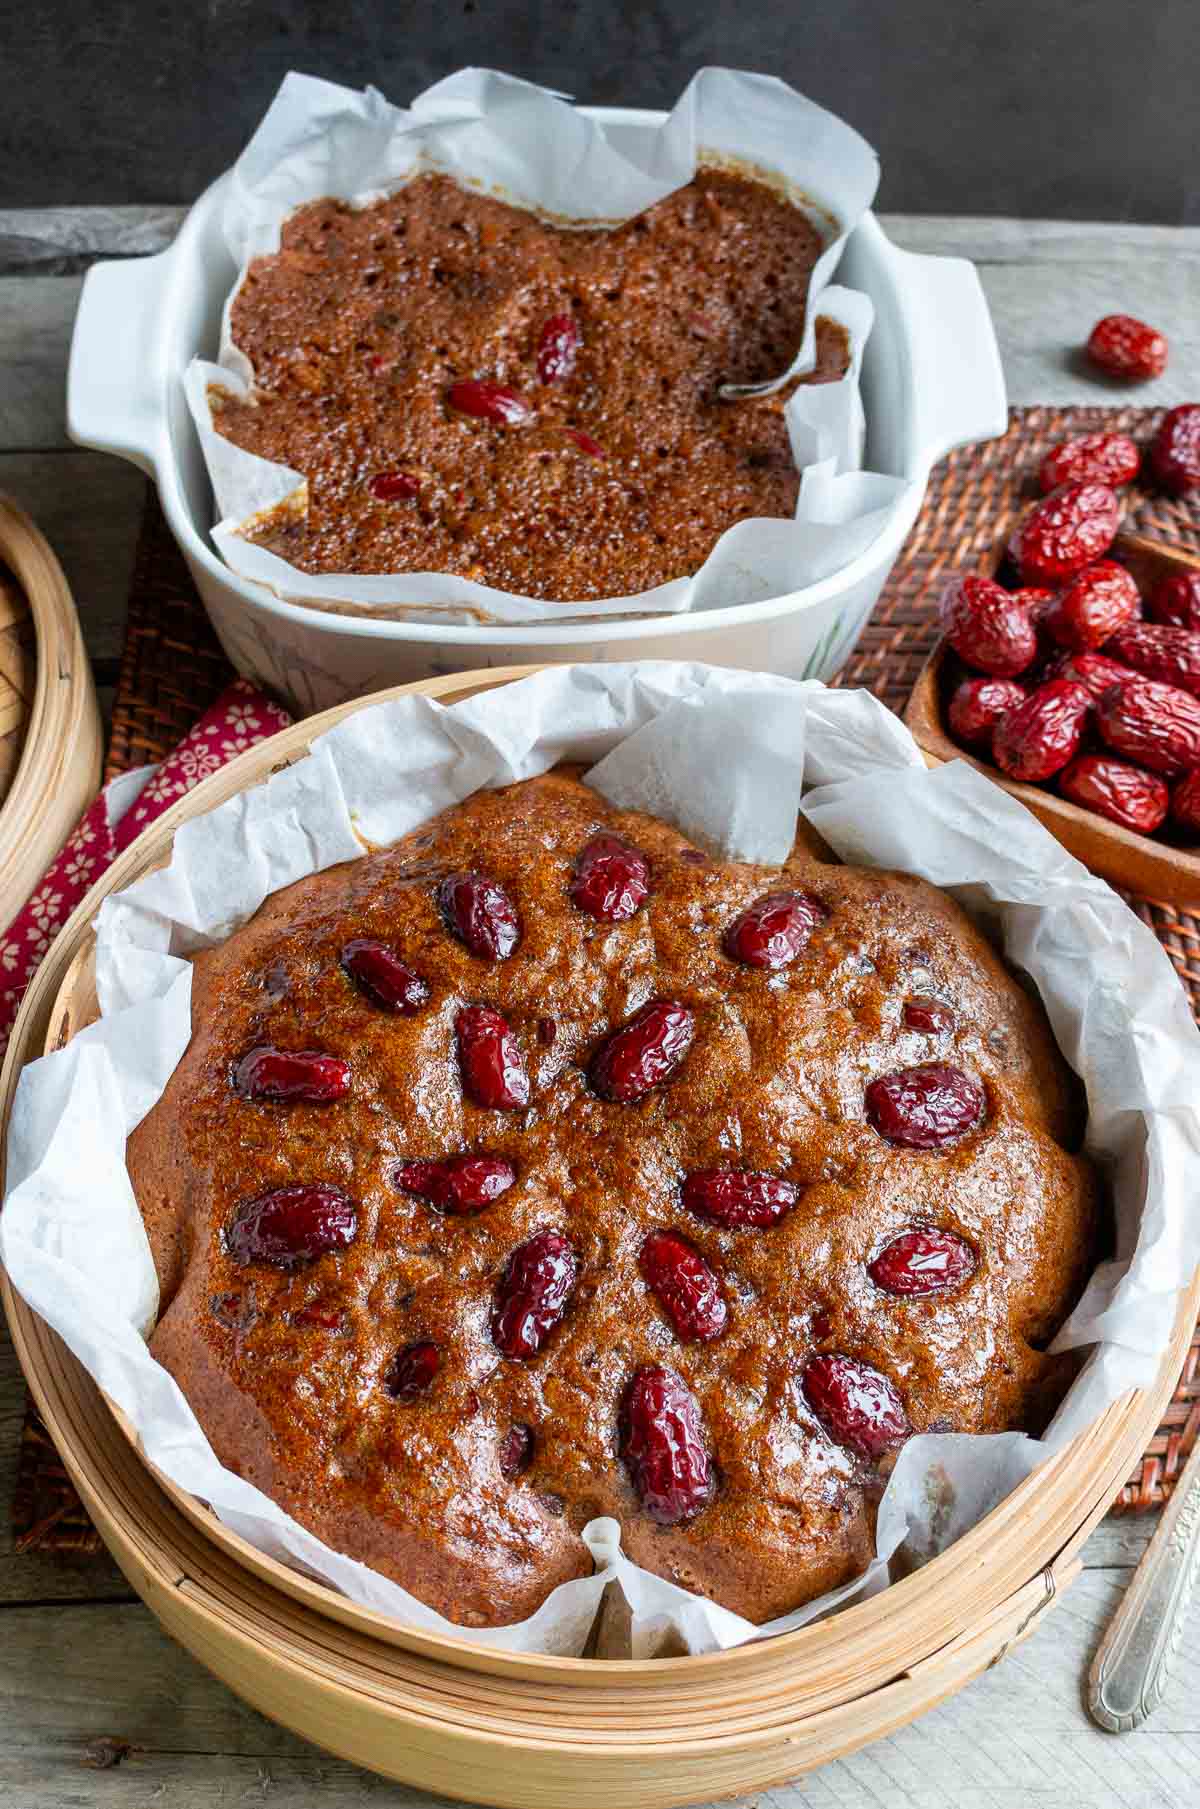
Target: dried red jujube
[
  {"x": 685, "y": 1286},
  {"x": 926, "y": 1107},
  {"x": 923, "y": 1261},
  {"x": 643, "y": 1053},
  {"x": 300, "y": 1076},
  {"x": 292, "y": 1225},
  {"x": 663, "y": 1446},
  {"x": 738, "y": 1198},
  {"x": 532, "y": 1293}
]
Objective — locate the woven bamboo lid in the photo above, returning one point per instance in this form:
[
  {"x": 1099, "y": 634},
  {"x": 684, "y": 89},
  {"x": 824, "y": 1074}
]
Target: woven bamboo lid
[
  {"x": 50, "y": 731},
  {"x": 450, "y": 1715}
]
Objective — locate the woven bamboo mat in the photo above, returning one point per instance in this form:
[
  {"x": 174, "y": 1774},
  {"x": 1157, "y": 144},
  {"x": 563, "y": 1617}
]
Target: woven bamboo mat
[{"x": 173, "y": 667}]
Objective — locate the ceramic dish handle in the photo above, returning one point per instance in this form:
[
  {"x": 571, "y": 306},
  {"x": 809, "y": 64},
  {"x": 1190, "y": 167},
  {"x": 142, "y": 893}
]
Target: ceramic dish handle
[
  {"x": 116, "y": 373},
  {"x": 960, "y": 394}
]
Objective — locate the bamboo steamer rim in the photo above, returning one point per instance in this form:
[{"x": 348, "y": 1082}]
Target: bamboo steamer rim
[
  {"x": 1032, "y": 1535},
  {"x": 58, "y": 771},
  {"x": 18, "y": 675}
]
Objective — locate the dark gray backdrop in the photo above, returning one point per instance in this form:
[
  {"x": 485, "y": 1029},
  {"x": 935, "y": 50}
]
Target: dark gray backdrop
[{"x": 1076, "y": 109}]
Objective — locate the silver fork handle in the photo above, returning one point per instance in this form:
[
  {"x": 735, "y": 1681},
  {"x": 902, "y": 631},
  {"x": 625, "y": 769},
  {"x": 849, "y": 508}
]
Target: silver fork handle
[{"x": 1129, "y": 1672}]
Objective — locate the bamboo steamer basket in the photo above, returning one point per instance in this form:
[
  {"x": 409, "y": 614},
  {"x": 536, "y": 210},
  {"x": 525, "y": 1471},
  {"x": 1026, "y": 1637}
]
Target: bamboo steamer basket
[
  {"x": 452, "y": 1716},
  {"x": 51, "y": 741}
]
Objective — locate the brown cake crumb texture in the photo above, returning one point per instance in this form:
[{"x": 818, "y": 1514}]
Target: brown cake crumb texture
[
  {"x": 286, "y": 1370},
  {"x": 360, "y": 324}
]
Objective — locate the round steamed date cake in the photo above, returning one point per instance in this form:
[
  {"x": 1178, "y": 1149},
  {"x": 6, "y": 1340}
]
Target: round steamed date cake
[{"x": 541, "y": 1167}]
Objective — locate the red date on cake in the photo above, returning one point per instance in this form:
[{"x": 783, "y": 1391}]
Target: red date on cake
[
  {"x": 411, "y": 1371},
  {"x": 516, "y": 1451},
  {"x": 644, "y": 1053},
  {"x": 492, "y": 402},
  {"x": 325, "y": 1319},
  {"x": 292, "y": 1225},
  {"x": 481, "y": 914},
  {"x": 459, "y": 1184},
  {"x": 923, "y": 1262},
  {"x": 926, "y": 1107},
  {"x": 395, "y": 486},
  {"x": 306, "y": 1076},
  {"x": 774, "y": 930},
  {"x": 585, "y": 442},
  {"x": 1101, "y": 458},
  {"x": 685, "y": 1287},
  {"x": 1064, "y": 532},
  {"x": 381, "y": 976},
  {"x": 1124, "y": 794},
  {"x": 739, "y": 1198},
  {"x": 558, "y": 348},
  {"x": 612, "y": 879},
  {"x": 490, "y": 1060},
  {"x": 1152, "y": 724},
  {"x": 663, "y": 1446},
  {"x": 1040, "y": 736},
  {"x": 532, "y": 1294},
  {"x": 931, "y": 1015},
  {"x": 857, "y": 1406}
]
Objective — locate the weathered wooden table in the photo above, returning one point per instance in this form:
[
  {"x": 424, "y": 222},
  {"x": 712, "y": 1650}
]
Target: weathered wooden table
[{"x": 85, "y": 1673}]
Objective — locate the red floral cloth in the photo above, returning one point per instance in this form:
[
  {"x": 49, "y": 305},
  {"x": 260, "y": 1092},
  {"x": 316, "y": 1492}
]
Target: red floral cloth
[{"x": 239, "y": 718}]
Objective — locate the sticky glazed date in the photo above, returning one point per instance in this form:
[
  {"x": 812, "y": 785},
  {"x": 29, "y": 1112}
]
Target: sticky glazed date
[
  {"x": 923, "y": 1261},
  {"x": 290, "y": 1226},
  {"x": 481, "y": 914},
  {"x": 412, "y": 1370},
  {"x": 774, "y": 930},
  {"x": 458, "y": 1184},
  {"x": 856, "y": 1404},
  {"x": 685, "y": 1287},
  {"x": 664, "y": 1447},
  {"x": 644, "y": 1053},
  {"x": 926, "y": 1107},
  {"x": 383, "y": 977},
  {"x": 306, "y": 1076},
  {"x": 532, "y": 1293},
  {"x": 738, "y": 1198},
  {"x": 490, "y": 1060},
  {"x": 611, "y": 881}
]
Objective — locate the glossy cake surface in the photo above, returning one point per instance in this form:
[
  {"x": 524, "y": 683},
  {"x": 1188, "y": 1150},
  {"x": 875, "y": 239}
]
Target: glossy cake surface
[{"x": 542, "y": 1167}]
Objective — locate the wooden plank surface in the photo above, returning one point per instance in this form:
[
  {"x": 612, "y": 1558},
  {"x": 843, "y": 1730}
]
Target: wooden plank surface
[
  {"x": 85, "y": 1674},
  {"x": 74, "y": 1675}
]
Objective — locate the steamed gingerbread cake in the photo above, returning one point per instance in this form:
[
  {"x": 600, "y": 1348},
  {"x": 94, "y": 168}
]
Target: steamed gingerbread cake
[
  {"x": 469, "y": 388},
  {"x": 542, "y": 1167}
]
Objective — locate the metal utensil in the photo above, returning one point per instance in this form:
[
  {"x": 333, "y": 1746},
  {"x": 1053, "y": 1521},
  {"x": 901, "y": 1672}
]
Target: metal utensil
[
  {"x": 751, "y": 392},
  {"x": 1129, "y": 1672}
]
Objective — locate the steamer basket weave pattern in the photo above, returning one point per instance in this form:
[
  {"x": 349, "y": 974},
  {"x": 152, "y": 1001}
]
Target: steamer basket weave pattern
[{"x": 173, "y": 667}]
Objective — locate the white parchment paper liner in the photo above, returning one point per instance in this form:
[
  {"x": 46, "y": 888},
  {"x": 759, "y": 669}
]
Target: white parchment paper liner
[
  {"x": 721, "y": 754},
  {"x": 493, "y": 132}
]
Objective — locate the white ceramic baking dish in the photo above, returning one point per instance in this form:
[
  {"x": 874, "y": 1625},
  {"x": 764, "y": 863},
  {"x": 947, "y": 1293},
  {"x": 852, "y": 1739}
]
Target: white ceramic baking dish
[{"x": 931, "y": 380}]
